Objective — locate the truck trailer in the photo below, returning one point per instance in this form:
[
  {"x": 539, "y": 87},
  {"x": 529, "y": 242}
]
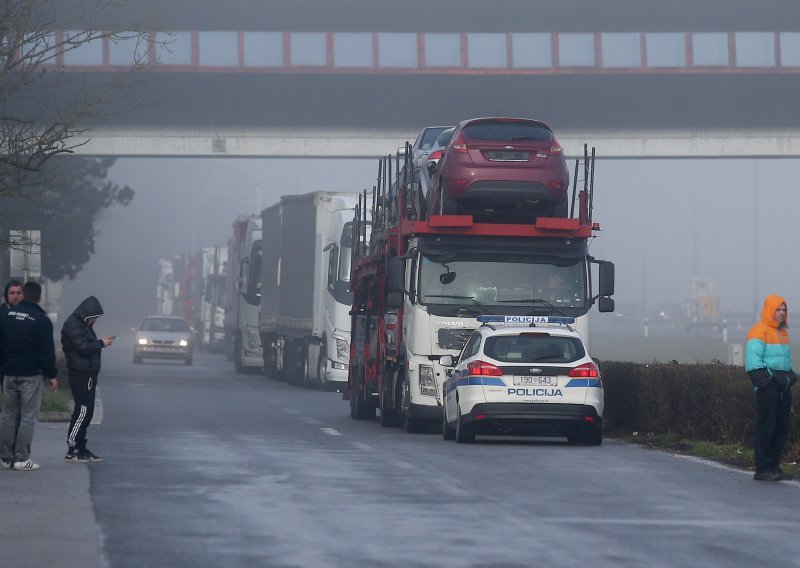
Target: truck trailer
[
  {"x": 420, "y": 282},
  {"x": 304, "y": 320}
]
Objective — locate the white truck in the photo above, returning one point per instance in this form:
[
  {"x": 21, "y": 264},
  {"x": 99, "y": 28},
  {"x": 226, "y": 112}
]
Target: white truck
[
  {"x": 243, "y": 294},
  {"x": 165, "y": 289},
  {"x": 213, "y": 261},
  {"x": 304, "y": 319}
]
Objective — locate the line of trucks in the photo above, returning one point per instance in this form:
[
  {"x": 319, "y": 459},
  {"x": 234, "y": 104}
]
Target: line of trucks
[{"x": 356, "y": 291}]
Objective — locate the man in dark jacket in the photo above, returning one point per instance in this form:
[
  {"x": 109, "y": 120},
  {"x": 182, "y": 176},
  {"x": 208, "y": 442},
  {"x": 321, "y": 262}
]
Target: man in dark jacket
[
  {"x": 28, "y": 357},
  {"x": 82, "y": 351}
]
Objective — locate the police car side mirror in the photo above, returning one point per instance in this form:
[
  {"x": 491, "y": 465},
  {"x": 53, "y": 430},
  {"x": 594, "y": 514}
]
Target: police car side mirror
[{"x": 447, "y": 361}]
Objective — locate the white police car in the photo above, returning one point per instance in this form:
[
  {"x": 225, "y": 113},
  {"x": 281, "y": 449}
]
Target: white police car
[{"x": 526, "y": 375}]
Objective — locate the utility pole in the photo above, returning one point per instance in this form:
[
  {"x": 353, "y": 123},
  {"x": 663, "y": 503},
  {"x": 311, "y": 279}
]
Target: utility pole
[{"x": 755, "y": 267}]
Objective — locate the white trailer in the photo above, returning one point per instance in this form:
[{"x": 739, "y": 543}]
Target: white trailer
[{"x": 304, "y": 319}]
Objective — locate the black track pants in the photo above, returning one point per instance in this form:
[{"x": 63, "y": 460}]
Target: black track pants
[
  {"x": 772, "y": 427},
  {"x": 83, "y": 386}
]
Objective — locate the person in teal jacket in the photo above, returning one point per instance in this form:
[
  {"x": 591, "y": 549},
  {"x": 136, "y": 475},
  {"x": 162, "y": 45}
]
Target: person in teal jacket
[{"x": 768, "y": 363}]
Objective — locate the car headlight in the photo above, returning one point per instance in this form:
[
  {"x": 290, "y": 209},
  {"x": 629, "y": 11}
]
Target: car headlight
[
  {"x": 427, "y": 381},
  {"x": 183, "y": 343},
  {"x": 342, "y": 349},
  {"x": 142, "y": 341}
]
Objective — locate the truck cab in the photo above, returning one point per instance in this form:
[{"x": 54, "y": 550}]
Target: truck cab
[
  {"x": 449, "y": 281},
  {"x": 334, "y": 358}
]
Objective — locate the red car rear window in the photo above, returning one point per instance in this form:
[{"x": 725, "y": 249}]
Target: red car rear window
[{"x": 507, "y": 132}]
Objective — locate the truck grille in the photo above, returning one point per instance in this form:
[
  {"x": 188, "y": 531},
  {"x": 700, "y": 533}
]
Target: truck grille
[{"x": 453, "y": 338}]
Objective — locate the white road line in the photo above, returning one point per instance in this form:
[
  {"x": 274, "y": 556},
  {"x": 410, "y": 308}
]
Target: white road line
[
  {"x": 331, "y": 431},
  {"x": 308, "y": 420},
  {"x": 291, "y": 411}
]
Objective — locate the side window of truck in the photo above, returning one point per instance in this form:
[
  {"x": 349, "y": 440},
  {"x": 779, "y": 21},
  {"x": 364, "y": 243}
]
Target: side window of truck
[
  {"x": 471, "y": 347},
  {"x": 332, "y": 265}
]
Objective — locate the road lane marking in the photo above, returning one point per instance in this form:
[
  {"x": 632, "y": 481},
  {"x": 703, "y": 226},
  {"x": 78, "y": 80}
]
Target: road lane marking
[
  {"x": 291, "y": 411},
  {"x": 308, "y": 420},
  {"x": 331, "y": 431}
]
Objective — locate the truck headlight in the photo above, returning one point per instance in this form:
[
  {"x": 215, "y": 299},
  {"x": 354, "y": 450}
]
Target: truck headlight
[
  {"x": 342, "y": 350},
  {"x": 142, "y": 341},
  {"x": 183, "y": 343},
  {"x": 427, "y": 381}
]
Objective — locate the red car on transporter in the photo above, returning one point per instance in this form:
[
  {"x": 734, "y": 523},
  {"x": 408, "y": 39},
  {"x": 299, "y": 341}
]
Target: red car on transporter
[{"x": 503, "y": 170}]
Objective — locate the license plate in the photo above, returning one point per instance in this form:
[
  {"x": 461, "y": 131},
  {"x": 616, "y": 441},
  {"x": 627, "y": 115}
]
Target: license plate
[
  {"x": 508, "y": 156},
  {"x": 536, "y": 381}
]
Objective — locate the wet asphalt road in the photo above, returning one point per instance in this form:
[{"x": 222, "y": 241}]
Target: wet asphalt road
[{"x": 205, "y": 467}]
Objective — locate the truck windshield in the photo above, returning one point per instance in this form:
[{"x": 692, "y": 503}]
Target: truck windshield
[{"x": 503, "y": 281}]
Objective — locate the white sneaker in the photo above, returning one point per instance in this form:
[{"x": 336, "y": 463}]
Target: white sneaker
[{"x": 26, "y": 466}]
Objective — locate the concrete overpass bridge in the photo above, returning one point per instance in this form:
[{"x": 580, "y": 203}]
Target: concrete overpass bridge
[{"x": 356, "y": 78}]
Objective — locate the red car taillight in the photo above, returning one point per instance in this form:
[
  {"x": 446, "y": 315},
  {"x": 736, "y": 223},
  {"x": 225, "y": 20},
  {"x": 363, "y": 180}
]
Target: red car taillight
[
  {"x": 555, "y": 147},
  {"x": 484, "y": 369},
  {"x": 437, "y": 155},
  {"x": 459, "y": 144},
  {"x": 585, "y": 371}
]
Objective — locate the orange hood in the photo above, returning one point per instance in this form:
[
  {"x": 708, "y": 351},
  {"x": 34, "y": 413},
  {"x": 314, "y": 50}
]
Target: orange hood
[{"x": 771, "y": 304}]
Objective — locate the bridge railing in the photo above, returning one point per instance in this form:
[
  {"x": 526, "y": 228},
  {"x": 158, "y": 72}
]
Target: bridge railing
[{"x": 513, "y": 53}]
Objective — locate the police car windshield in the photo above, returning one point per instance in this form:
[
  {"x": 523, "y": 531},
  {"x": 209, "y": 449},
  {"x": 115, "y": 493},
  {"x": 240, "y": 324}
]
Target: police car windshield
[
  {"x": 534, "y": 348},
  {"x": 502, "y": 281}
]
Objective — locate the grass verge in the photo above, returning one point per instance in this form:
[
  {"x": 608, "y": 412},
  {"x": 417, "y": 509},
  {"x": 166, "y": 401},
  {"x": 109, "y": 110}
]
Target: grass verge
[
  {"x": 53, "y": 401},
  {"x": 731, "y": 454}
]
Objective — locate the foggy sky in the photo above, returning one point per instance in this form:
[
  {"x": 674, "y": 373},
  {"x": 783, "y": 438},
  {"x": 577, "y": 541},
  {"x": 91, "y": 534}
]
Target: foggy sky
[{"x": 662, "y": 221}]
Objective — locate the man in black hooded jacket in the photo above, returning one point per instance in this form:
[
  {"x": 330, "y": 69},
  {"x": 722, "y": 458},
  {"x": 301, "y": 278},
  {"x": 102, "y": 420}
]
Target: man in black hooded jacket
[{"x": 82, "y": 351}]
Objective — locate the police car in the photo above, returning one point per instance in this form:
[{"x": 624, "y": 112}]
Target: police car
[{"x": 526, "y": 375}]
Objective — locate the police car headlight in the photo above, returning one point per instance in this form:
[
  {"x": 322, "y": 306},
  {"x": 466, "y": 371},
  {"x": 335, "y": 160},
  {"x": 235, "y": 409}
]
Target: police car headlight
[
  {"x": 183, "y": 343},
  {"x": 342, "y": 350},
  {"x": 142, "y": 341},
  {"x": 427, "y": 381}
]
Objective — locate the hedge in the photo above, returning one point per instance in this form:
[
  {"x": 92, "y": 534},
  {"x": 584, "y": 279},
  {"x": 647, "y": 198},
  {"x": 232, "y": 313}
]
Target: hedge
[{"x": 711, "y": 402}]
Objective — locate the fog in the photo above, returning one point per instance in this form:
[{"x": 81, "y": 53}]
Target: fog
[{"x": 662, "y": 221}]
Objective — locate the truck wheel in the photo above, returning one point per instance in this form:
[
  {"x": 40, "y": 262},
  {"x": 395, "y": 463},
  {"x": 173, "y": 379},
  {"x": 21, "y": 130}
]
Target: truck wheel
[
  {"x": 188, "y": 361},
  {"x": 448, "y": 433},
  {"x": 137, "y": 360},
  {"x": 410, "y": 424},
  {"x": 464, "y": 434},
  {"x": 323, "y": 385},
  {"x": 237, "y": 355},
  {"x": 359, "y": 409},
  {"x": 391, "y": 416}
]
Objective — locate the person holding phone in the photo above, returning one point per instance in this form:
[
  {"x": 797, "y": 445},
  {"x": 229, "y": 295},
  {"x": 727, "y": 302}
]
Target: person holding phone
[{"x": 82, "y": 350}]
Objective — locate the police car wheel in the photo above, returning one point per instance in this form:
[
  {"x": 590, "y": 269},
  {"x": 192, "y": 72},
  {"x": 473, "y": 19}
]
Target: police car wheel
[
  {"x": 593, "y": 437},
  {"x": 464, "y": 434},
  {"x": 448, "y": 432}
]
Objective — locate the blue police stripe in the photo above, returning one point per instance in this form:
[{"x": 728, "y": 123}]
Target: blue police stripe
[
  {"x": 486, "y": 381},
  {"x": 584, "y": 383}
]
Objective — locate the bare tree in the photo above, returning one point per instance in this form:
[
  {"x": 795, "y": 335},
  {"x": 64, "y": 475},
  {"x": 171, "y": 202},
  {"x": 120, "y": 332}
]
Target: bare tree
[{"x": 38, "y": 118}]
